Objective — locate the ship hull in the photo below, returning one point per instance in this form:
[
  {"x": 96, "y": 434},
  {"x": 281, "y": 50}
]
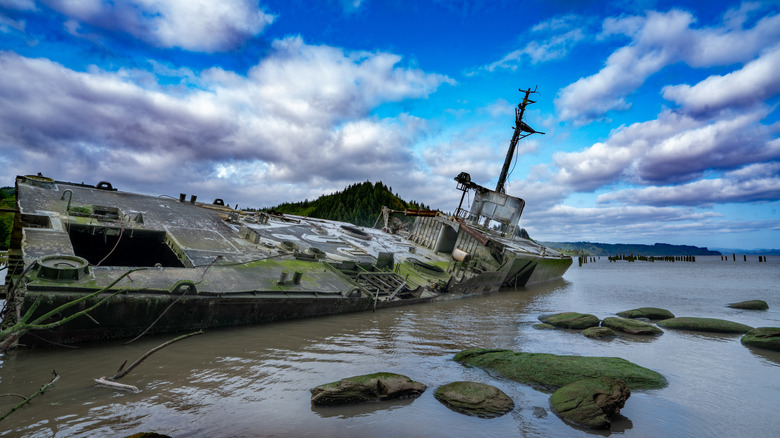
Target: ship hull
[{"x": 160, "y": 265}]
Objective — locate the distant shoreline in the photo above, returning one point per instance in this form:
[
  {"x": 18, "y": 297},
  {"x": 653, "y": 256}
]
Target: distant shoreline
[{"x": 658, "y": 249}]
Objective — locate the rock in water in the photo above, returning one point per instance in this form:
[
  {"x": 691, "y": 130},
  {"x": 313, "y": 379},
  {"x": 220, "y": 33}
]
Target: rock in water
[
  {"x": 550, "y": 371},
  {"x": 704, "y": 325},
  {"x": 369, "y": 387},
  {"x": 750, "y": 305},
  {"x": 599, "y": 332},
  {"x": 647, "y": 312},
  {"x": 763, "y": 337},
  {"x": 571, "y": 320},
  {"x": 631, "y": 326},
  {"x": 590, "y": 402},
  {"x": 474, "y": 398}
]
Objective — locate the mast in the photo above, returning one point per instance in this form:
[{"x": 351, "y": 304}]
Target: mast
[{"x": 522, "y": 130}]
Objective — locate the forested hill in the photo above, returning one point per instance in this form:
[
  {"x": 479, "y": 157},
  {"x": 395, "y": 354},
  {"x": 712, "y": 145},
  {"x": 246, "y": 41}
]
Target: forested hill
[
  {"x": 359, "y": 204},
  {"x": 7, "y": 201},
  {"x": 607, "y": 249}
]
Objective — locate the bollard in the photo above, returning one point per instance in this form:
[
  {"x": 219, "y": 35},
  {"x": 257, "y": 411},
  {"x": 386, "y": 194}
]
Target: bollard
[{"x": 282, "y": 278}]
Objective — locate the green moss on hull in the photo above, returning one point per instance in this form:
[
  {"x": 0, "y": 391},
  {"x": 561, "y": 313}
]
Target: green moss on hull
[{"x": 549, "y": 371}]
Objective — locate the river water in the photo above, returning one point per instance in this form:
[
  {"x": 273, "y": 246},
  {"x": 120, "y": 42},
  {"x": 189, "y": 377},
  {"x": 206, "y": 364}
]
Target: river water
[{"x": 255, "y": 381}]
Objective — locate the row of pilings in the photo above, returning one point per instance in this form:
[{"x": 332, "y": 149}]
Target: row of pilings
[
  {"x": 633, "y": 258},
  {"x": 761, "y": 259},
  {"x": 584, "y": 259}
]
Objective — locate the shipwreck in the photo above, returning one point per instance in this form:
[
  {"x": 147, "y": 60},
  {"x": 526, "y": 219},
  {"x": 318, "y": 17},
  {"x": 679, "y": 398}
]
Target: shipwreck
[{"x": 150, "y": 264}]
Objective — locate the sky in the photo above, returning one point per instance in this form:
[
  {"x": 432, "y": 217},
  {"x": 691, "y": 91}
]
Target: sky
[{"x": 661, "y": 118}]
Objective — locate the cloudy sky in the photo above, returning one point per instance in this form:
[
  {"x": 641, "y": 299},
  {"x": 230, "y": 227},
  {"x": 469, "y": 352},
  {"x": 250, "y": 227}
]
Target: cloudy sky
[{"x": 661, "y": 118}]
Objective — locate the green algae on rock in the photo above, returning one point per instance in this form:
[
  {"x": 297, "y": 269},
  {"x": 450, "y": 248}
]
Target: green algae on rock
[
  {"x": 763, "y": 337},
  {"x": 750, "y": 305},
  {"x": 474, "y": 398},
  {"x": 550, "y": 371},
  {"x": 704, "y": 325},
  {"x": 571, "y": 320},
  {"x": 646, "y": 312},
  {"x": 365, "y": 388},
  {"x": 599, "y": 332},
  {"x": 590, "y": 402},
  {"x": 631, "y": 326}
]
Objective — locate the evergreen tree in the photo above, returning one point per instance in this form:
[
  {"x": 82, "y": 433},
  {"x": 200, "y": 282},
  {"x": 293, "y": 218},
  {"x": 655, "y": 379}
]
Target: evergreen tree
[{"x": 358, "y": 203}]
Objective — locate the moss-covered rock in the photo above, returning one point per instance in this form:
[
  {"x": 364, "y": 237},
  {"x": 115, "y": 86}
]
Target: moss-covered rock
[
  {"x": 646, "y": 312},
  {"x": 365, "y": 388},
  {"x": 750, "y": 305},
  {"x": 550, "y": 371},
  {"x": 474, "y": 398},
  {"x": 571, "y": 320},
  {"x": 599, "y": 332},
  {"x": 590, "y": 402},
  {"x": 763, "y": 337},
  {"x": 631, "y": 326},
  {"x": 704, "y": 325},
  {"x": 543, "y": 326}
]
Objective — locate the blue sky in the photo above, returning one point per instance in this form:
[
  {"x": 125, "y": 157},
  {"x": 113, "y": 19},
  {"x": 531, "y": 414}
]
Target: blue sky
[{"x": 661, "y": 118}]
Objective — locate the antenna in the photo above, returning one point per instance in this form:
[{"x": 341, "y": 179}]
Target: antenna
[{"x": 522, "y": 130}]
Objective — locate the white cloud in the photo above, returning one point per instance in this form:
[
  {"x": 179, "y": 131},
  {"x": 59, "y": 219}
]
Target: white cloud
[
  {"x": 555, "y": 47},
  {"x": 550, "y": 40},
  {"x": 658, "y": 40},
  {"x": 19, "y": 5},
  {"x": 617, "y": 224},
  {"x": 8, "y": 25},
  {"x": 757, "y": 182},
  {"x": 301, "y": 114},
  {"x": 673, "y": 148},
  {"x": 757, "y": 81},
  {"x": 196, "y": 25}
]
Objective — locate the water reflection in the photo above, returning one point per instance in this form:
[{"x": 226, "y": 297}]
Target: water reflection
[
  {"x": 770, "y": 357},
  {"x": 361, "y": 410},
  {"x": 256, "y": 381}
]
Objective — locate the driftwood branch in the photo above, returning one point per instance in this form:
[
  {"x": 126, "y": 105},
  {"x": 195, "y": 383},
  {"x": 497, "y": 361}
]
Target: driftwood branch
[
  {"x": 110, "y": 381},
  {"x": 105, "y": 382},
  {"x": 43, "y": 389},
  {"x": 127, "y": 370}
]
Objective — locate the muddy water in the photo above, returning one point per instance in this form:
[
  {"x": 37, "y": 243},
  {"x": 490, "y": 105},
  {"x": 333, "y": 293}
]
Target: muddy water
[{"x": 255, "y": 381}]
